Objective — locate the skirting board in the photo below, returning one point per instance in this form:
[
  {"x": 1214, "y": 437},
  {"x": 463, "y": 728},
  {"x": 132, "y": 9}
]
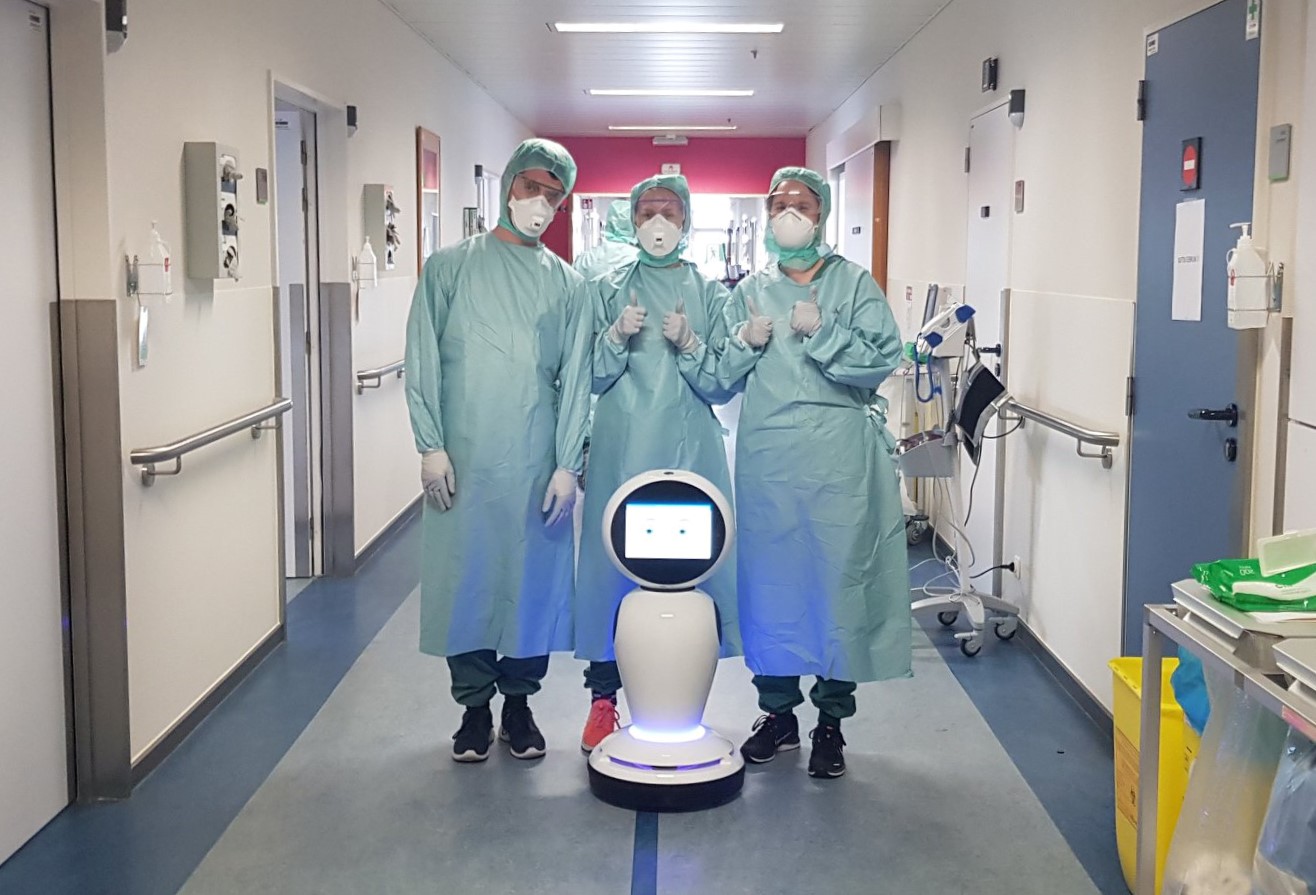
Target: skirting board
[
  {"x": 1086, "y": 702},
  {"x": 152, "y": 759},
  {"x": 400, "y": 521}
]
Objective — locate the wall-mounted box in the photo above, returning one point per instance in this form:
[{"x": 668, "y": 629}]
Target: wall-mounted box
[
  {"x": 382, "y": 217},
  {"x": 211, "y": 211}
]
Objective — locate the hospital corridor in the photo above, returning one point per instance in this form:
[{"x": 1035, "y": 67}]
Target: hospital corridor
[{"x": 658, "y": 448}]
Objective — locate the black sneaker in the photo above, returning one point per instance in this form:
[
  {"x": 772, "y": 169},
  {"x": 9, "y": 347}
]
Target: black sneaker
[
  {"x": 772, "y": 734},
  {"x": 827, "y": 759},
  {"x": 472, "y": 740},
  {"x": 519, "y": 731}
]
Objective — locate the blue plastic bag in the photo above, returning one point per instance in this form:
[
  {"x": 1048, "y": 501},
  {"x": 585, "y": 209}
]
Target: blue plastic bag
[{"x": 1190, "y": 690}]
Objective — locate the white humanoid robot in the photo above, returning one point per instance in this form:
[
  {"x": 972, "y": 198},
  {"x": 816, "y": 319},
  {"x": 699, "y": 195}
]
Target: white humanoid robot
[{"x": 668, "y": 531}]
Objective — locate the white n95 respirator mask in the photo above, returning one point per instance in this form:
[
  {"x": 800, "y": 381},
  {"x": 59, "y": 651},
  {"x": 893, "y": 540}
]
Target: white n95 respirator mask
[
  {"x": 531, "y": 216},
  {"x": 793, "y": 230},
  {"x": 659, "y": 236}
]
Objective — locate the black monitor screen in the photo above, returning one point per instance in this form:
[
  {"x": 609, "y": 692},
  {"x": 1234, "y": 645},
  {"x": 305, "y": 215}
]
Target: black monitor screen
[
  {"x": 979, "y": 401},
  {"x": 930, "y": 303},
  {"x": 668, "y": 533}
]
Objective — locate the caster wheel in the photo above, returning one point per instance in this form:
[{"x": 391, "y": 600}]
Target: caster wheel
[
  {"x": 948, "y": 619},
  {"x": 1006, "y": 630},
  {"x": 916, "y": 533},
  {"x": 971, "y": 647}
]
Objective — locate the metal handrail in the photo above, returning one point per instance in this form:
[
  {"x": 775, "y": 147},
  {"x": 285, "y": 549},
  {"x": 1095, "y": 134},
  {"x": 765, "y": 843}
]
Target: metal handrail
[
  {"x": 1094, "y": 437},
  {"x": 256, "y": 421},
  {"x": 377, "y": 376}
]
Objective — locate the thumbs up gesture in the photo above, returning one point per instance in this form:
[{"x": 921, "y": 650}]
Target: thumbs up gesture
[
  {"x": 806, "y": 318},
  {"x": 629, "y": 323},
  {"x": 676, "y": 329},
  {"x": 758, "y": 331}
]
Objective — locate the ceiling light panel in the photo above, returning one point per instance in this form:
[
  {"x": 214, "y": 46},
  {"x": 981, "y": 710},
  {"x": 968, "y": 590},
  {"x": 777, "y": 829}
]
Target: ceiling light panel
[
  {"x": 677, "y": 92},
  {"x": 670, "y": 129},
  {"x": 665, "y": 28}
]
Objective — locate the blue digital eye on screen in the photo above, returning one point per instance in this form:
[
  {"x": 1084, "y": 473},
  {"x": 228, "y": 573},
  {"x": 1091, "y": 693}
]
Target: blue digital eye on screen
[{"x": 669, "y": 531}]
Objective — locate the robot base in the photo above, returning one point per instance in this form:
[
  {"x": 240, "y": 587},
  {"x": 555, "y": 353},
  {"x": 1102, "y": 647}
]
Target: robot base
[{"x": 644, "y": 776}]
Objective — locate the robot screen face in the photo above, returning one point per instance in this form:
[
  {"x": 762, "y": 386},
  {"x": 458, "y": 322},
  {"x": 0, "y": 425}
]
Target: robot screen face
[
  {"x": 667, "y": 534},
  {"x": 669, "y": 531}
]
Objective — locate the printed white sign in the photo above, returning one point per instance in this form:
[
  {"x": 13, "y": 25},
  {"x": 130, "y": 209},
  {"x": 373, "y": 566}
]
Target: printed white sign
[{"x": 1189, "y": 235}]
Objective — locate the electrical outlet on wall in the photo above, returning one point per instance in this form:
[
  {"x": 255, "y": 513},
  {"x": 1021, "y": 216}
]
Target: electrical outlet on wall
[{"x": 1018, "y": 571}]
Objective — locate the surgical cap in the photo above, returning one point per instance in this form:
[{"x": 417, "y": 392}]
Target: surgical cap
[
  {"x": 619, "y": 226},
  {"x": 814, "y": 181},
  {"x": 538, "y": 153},
  {"x": 674, "y": 182}
]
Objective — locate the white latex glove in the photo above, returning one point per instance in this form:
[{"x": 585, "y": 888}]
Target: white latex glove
[
  {"x": 806, "y": 318},
  {"x": 676, "y": 329},
  {"x": 758, "y": 331},
  {"x": 560, "y": 498},
  {"x": 629, "y": 323},
  {"x": 438, "y": 478}
]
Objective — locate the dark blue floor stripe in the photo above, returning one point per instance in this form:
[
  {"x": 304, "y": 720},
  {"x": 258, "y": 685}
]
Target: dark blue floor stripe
[
  {"x": 1061, "y": 754},
  {"x": 644, "y": 858},
  {"x": 151, "y": 843}
]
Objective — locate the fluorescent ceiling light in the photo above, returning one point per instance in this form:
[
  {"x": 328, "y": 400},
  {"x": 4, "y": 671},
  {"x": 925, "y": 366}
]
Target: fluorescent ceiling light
[
  {"x": 670, "y": 92},
  {"x": 666, "y": 28},
  {"x": 671, "y": 129}
]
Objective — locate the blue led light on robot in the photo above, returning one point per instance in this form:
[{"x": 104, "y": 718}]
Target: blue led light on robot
[
  {"x": 649, "y": 767},
  {"x": 668, "y": 736}
]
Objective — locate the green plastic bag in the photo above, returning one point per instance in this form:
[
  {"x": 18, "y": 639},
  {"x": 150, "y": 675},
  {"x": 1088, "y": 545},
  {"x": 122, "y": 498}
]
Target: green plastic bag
[{"x": 1221, "y": 576}]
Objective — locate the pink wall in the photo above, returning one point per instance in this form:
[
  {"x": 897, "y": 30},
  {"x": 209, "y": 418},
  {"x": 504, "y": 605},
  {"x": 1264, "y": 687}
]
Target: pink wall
[{"x": 734, "y": 165}]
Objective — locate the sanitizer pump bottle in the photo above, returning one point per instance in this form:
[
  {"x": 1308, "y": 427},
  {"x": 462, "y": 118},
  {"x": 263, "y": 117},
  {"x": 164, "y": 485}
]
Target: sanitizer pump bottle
[{"x": 1249, "y": 283}]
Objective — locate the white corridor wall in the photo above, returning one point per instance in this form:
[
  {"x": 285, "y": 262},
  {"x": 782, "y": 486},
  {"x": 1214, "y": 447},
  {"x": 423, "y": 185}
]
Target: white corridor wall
[
  {"x": 1073, "y": 267},
  {"x": 202, "y": 565}
]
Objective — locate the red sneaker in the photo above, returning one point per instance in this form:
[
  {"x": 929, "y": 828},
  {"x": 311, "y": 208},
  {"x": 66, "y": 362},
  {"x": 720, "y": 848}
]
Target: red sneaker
[{"x": 603, "y": 720}]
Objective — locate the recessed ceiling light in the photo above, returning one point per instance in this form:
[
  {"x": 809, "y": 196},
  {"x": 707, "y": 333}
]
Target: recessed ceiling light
[
  {"x": 671, "y": 129},
  {"x": 666, "y": 28},
  {"x": 670, "y": 92}
]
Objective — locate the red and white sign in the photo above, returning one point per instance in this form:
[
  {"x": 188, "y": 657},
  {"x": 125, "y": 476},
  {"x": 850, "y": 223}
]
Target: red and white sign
[{"x": 1191, "y": 167}]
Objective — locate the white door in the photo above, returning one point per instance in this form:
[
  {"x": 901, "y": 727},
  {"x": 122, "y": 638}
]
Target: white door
[
  {"x": 294, "y": 142},
  {"x": 991, "y": 172},
  {"x": 857, "y": 213},
  {"x": 34, "y": 783}
]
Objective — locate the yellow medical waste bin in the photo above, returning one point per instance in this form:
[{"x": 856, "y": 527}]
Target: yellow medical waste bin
[{"x": 1178, "y": 748}]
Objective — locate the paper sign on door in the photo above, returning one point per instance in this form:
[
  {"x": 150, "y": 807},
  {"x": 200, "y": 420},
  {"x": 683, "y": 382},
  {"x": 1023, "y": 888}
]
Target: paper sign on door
[{"x": 1189, "y": 234}]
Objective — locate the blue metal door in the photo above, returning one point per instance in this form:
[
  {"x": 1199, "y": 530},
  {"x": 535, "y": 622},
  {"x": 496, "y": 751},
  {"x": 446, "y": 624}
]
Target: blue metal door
[{"x": 1187, "y": 500}]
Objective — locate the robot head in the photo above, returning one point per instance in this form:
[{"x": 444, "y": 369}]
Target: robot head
[{"x": 668, "y": 529}]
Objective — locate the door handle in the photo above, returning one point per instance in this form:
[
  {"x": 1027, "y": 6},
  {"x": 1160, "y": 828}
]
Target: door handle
[{"x": 1227, "y": 415}]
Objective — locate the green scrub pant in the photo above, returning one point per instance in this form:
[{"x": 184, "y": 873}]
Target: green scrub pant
[
  {"x": 602, "y": 679},
  {"x": 475, "y": 676},
  {"x": 833, "y": 699}
]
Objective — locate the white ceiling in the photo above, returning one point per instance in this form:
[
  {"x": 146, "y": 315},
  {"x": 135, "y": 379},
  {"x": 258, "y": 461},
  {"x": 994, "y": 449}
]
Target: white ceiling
[{"x": 827, "y": 50}]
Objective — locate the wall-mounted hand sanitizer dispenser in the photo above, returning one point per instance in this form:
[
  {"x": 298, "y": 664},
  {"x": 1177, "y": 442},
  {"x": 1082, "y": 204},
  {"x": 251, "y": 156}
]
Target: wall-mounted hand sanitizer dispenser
[
  {"x": 367, "y": 267},
  {"x": 1249, "y": 283},
  {"x": 155, "y": 273}
]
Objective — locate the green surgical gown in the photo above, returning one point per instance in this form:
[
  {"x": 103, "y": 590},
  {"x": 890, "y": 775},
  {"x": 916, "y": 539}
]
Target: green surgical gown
[
  {"x": 823, "y": 574},
  {"x": 498, "y": 376},
  {"x": 654, "y": 412}
]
